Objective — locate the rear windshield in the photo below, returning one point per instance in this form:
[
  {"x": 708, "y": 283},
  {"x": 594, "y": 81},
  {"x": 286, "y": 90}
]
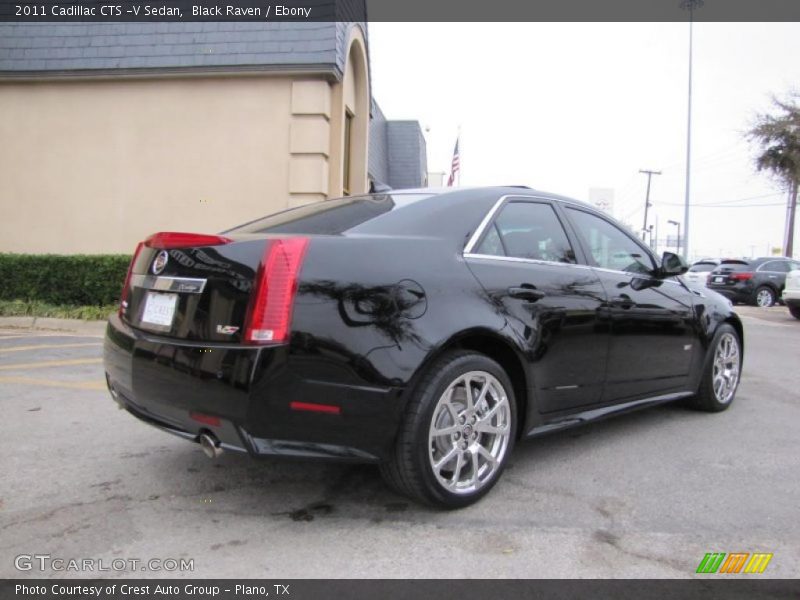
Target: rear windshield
[
  {"x": 331, "y": 217},
  {"x": 734, "y": 265},
  {"x": 703, "y": 267}
]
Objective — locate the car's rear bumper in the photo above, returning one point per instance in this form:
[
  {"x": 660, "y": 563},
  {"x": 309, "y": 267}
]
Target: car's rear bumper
[
  {"x": 733, "y": 293},
  {"x": 248, "y": 397}
]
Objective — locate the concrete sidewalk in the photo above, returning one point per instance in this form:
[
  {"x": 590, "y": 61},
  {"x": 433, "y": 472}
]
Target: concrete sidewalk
[{"x": 94, "y": 328}]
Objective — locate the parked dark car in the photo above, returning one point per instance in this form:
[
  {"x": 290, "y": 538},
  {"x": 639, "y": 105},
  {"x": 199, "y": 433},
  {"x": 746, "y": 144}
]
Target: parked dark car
[
  {"x": 424, "y": 331},
  {"x": 757, "y": 281}
]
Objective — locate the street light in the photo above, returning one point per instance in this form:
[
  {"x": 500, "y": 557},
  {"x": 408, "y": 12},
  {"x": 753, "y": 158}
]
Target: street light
[
  {"x": 678, "y": 245},
  {"x": 689, "y": 5}
]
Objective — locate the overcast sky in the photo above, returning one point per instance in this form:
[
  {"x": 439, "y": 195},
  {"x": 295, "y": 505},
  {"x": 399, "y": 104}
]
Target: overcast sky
[{"x": 569, "y": 107}]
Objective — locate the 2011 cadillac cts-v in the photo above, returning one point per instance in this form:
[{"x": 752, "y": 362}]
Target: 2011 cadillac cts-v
[{"x": 425, "y": 331}]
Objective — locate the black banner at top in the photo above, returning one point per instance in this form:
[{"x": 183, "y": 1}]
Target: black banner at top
[{"x": 150, "y": 11}]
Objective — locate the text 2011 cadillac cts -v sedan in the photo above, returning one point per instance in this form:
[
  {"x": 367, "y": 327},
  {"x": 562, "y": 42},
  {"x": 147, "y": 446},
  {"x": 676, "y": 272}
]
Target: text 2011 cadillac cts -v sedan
[{"x": 425, "y": 331}]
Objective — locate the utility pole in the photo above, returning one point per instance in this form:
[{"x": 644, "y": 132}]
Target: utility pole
[
  {"x": 689, "y": 5},
  {"x": 647, "y": 199},
  {"x": 678, "y": 244},
  {"x": 655, "y": 247},
  {"x": 788, "y": 244}
]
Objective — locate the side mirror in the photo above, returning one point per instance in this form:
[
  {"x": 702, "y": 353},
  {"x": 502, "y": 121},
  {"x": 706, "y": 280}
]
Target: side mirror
[{"x": 672, "y": 264}]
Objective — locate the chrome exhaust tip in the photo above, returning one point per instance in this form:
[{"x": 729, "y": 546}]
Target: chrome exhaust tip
[{"x": 211, "y": 446}]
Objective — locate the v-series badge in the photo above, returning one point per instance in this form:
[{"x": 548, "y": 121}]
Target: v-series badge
[{"x": 227, "y": 329}]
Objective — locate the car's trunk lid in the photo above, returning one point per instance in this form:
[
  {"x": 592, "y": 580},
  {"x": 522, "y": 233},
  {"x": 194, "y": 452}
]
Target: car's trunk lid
[{"x": 196, "y": 289}]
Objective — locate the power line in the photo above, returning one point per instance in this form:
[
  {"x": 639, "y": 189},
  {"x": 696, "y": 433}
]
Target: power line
[
  {"x": 735, "y": 205},
  {"x": 728, "y": 202}
]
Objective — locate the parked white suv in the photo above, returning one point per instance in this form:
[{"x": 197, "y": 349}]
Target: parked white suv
[
  {"x": 700, "y": 271},
  {"x": 791, "y": 293}
]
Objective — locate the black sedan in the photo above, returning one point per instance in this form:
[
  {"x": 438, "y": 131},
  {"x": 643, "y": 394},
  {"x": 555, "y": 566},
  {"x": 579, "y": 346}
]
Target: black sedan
[{"x": 424, "y": 331}]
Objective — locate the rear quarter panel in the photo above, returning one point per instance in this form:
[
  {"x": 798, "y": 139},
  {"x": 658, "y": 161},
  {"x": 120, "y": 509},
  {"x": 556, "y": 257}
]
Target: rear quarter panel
[{"x": 370, "y": 310}]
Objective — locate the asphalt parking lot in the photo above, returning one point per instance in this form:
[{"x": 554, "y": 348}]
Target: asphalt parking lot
[{"x": 643, "y": 495}]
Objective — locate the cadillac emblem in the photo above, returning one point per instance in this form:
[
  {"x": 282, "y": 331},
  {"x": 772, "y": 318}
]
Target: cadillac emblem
[{"x": 160, "y": 262}]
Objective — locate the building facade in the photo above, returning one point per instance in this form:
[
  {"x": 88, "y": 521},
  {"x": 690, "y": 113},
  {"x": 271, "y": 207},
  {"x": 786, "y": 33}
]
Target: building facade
[{"x": 112, "y": 131}]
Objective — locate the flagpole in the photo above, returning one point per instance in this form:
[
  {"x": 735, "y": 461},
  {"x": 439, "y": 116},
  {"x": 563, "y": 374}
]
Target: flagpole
[{"x": 460, "y": 154}]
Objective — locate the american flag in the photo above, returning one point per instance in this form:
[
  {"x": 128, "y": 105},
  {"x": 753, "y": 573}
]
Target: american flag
[{"x": 455, "y": 166}]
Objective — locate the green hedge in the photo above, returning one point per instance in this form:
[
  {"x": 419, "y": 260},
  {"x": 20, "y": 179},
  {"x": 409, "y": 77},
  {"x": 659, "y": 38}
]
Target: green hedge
[{"x": 77, "y": 280}]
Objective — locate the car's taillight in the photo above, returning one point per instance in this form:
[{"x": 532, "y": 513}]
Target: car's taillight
[
  {"x": 165, "y": 240},
  {"x": 270, "y": 311},
  {"x": 123, "y": 300},
  {"x": 741, "y": 276}
]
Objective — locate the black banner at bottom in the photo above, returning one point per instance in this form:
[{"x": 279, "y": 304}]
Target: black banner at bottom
[{"x": 393, "y": 589}]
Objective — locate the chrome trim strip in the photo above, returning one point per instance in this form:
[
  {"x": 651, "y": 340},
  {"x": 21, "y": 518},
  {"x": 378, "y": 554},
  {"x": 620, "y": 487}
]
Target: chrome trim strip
[
  {"x": 533, "y": 261},
  {"x": 186, "y": 285},
  {"x": 473, "y": 240}
]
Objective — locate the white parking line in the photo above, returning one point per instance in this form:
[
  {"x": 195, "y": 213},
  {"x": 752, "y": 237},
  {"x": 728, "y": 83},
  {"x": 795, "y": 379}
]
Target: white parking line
[
  {"x": 46, "y": 346},
  {"x": 51, "y": 363}
]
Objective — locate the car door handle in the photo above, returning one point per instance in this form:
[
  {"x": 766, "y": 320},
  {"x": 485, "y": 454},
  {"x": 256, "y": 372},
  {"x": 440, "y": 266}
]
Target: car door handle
[
  {"x": 531, "y": 294},
  {"x": 622, "y": 302}
]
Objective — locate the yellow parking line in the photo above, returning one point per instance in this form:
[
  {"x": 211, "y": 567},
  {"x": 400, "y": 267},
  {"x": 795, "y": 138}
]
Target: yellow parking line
[
  {"x": 51, "y": 363},
  {"x": 24, "y": 348},
  {"x": 75, "y": 385}
]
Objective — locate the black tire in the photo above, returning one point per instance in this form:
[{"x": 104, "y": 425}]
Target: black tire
[
  {"x": 766, "y": 292},
  {"x": 794, "y": 310},
  {"x": 410, "y": 470},
  {"x": 707, "y": 398}
]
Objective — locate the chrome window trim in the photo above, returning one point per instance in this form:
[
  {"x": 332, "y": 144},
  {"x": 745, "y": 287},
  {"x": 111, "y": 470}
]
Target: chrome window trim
[
  {"x": 187, "y": 285},
  {"x": 533, "y": 261},
  {"x": 548, "y": 263},
  {"x": 473, "y": 240}
]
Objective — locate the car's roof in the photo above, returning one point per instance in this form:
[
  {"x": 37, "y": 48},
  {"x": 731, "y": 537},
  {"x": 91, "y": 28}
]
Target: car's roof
[{"x": 500, "y": 190}]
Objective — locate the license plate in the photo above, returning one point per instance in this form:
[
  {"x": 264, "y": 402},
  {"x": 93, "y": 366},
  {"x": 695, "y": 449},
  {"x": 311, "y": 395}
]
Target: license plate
[
  {"x": 719, "y": 279},
  {"x": 159, "y": 309}
]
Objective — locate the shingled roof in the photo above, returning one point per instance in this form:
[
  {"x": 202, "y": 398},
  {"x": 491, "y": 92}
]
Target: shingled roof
[{"x": 63, "y": 49}]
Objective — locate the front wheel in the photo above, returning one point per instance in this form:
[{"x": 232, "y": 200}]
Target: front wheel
[
  {"x": 457, "y": 433},
  {"x": 721, "y": 372},
  {"x": 794, "y": 310}
]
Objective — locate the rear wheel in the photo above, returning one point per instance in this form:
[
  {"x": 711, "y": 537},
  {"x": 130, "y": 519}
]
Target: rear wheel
[
  {"x": 722, "y": 371},
  {"x": 457, "y": 433},
  {"x": 794, "y": 310},
  {"x": 764, "y": 297}
]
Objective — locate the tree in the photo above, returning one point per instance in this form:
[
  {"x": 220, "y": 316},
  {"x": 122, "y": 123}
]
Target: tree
[{"x": 778, "y": 137}]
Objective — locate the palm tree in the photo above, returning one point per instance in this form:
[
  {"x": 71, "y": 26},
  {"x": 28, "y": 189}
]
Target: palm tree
[{"x": 778, "y": 136}]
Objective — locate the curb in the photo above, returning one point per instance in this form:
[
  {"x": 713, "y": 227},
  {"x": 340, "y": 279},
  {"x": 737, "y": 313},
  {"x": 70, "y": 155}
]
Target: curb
[{"x": 96, "y": 328}]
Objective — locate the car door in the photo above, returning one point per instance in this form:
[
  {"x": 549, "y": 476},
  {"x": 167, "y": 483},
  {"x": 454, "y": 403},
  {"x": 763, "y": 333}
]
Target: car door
[
  {"x": 651, "y": 319},
  {"x": 526, "y": 264}
]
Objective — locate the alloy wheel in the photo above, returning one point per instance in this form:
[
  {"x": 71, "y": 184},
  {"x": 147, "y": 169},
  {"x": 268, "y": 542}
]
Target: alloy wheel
[
  {"x": 764, "y": 298},
  {"x": 469, "y": 432},
  {"x": 725, "y": 376}
]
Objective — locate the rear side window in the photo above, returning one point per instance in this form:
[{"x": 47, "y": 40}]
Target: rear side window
[
  {"x": 609, "y": 246},
  {"x": 734, "y": 265},
  {"x": 775, "y": 266},
  {"x": 703, "y": 267},
  {"x": 527, "y": 230}
]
